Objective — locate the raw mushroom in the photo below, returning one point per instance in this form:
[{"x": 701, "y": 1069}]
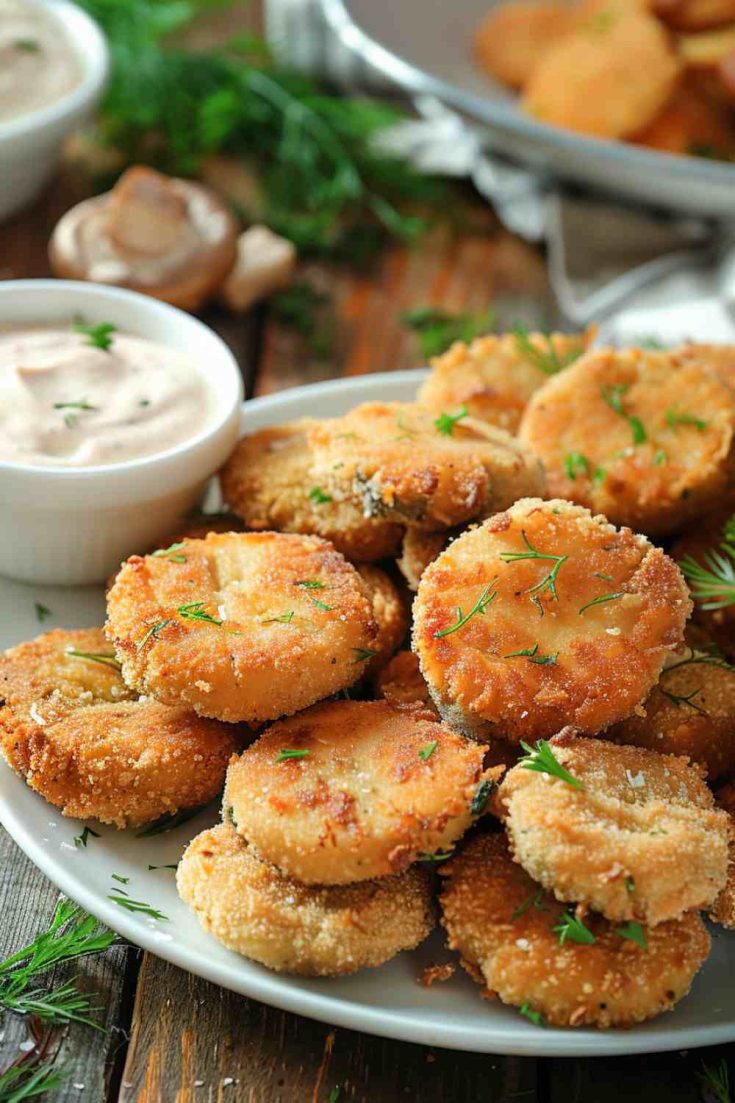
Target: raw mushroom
[
  {"x": 172, "y": 239},
  {"x": 265, "y": 264}
]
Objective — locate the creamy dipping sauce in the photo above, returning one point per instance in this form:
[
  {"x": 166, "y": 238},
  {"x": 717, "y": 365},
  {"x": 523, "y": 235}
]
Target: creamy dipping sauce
[
  {"x": 66, "y": 403},
  {"x": 38, "y": 63}
]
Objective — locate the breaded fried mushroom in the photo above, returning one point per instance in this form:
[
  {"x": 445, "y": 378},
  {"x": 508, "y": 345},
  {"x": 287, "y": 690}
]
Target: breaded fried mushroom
[
  {"x": 691, "y": 711},
  {"x": 417, "y": 551},
  {"x": 268, "y": 481},
  {"x": 609, "y": 78},
  {"x": 241, "y": 626},
  {"x": 352, "y": 790},
  {"x": 74, "y": 731},
  {"x": 495, "y": 376},
  {"x": 633, "y": 834},
  {"x": 309, "y": 930},
  {"x": 513, "y": 38},
  {"x": 391, "y": 616},
  {"x": 510, "y": 934},
  {"x": 543, "y": 616},
  {"x": 723, "y": 909},
  {"x": 644, "y": 437},
  {"x": 401, "y": 462}
]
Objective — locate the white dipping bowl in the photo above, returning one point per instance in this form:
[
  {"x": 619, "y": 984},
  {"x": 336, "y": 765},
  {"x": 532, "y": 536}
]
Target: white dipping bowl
[
  {"x": 70, "y": 526},
  {"x": 30, "y": 146}
]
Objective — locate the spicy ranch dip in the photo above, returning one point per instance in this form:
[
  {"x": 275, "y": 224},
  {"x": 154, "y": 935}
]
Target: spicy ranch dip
[
  {"x": 83, "y": 396},
  {"x": 38, "y": 63}
]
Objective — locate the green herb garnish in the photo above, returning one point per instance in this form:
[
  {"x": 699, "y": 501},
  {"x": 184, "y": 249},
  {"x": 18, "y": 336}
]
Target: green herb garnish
[
  {"x": 105, "y": 658},
  {"x": 485, "y": 598},
  {"x": 613, "y": 396},
  {"x": 674, "y": 418},
  {"x": 534, "y": 1017},
  {"x": 173, "y": 552},
  {"x": 195, "y": 611},
  {"x": 426, "y": 752},
  {"x": 634, "y": 932},
  {"x": 526, "y": 653},
  {"x": 363, "y": 654},
  {"x": 311, "y": 584},
  {"x": 168, "y": 822},
  {"x": 542, "y": 759},
  {"x": 31, "y": 1077},
  {"x": 81, "y": 840},
  {"x": 172, "y": 866},
  {"x": 285, "y": 755},
  {"x": 152, "y": 632},
  {"x": 629, "y": 885},
  {"x": 532, "y": 901},
  {"x": 124, "y": 901},
  {"x": 437, "y": 856},
  {"x": 575, "y": 463},
  {"x": 546, "y": 358},
  {"x": 438, "y": 330},
  {"x": 42, "y": 611},
  {"x": 317, "y": 495},
  {"x": 713, "y": 580},
  {"x": 679, "y": 699},
  {"x": 548, "y": 582},
  {"x": 715, "y": 1081},
  {"x": 602, "y": 600},
  {"x": 99, "y": 336},
  {"x": 481, "y": 796},
  {"x": 27, "y": 45},
  {"x": 571, "y": 928},
  {"x": 284, "y": 618},
  {"x": 445, "y": 423}
]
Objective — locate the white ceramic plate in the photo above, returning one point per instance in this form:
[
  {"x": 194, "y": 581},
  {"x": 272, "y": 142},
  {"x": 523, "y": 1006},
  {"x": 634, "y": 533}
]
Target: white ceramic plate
[
  {"x": 385, "y": 1001},
  {"x": 425, "y": 46}
]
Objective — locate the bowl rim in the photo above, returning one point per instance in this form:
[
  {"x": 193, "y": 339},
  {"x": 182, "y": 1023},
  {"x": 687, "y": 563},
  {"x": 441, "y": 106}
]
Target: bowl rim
[
  {"x": 77, "y": 291},
  {"x": 90, "y": 47}
]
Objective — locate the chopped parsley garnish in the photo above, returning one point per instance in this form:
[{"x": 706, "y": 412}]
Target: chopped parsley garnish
[
  {"x": 634, "y": 932},
  {"x": 534, "y": 1017},
  {"x": 83, "y": 405},
  {"x": 478, "y": 609},
  {"x": 81, "y": 840},
  {"x": 613, "y": 396},
  {"x": 437, "y": 856},
  {"x": 152, "y": 632},
  {"x": 532, "y": 901},
  {"x": 527, "y": 652},
  {"x": 173, "y": 866},
  {"x": 548, "y": 582},
  {"x": 545, "y": 358},
  {"x": 542, "y": 759},
  {"x": 195, "y": 611},
  {"x": 311, "y": 584},
  {"x": 602, "y": 600},
  {"x": 105, "y": 658},
  {"x": 363, "y": 654},
  {"x": 42, "y": 611},
  {"x": 445, "y": 423},
  {"x": 571, "y": 928},
  {"x": 604, "y": 577},
  {"x": 575, "y": 463},
  {"x": 713, "y": 580},
  {"x": 120, "y": 878},
  {"x": 99, "y": 336},
  {"x": 173, "y": 553},
  {"x": 317, "y": 495},
  {"x": 119, "y": 897},
  {"x": 426, "y": 752},
  {"x": 674, "y": 418},
  {"x": 544, "y": 660},
  {"x": 660, "y": 457},
  {"x": 438, "y": 330},
  {"x": 481, "y": 796},
  {"x": 284, "y": 618},
  {"x": 285, "y": 755}
]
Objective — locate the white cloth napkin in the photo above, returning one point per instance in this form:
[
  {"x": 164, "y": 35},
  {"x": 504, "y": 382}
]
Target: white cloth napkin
[{"x": 635, "y": 272}]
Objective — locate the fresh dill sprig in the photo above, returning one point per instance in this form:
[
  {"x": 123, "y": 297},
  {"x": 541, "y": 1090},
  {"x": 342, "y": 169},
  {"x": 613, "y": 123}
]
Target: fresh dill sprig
[
  {"x": 282, "y": 618},
  {"x": 437, "y": 856},
  {"x": 542, "y": 759},
  {"x": 285, "y": 755},
  {"x": 81, "y": 840},
  {"x": 701, "y": 658},
  {"x": 173, "y": 553},
  {"x": 715, "y": 1082},
  {"x": 152, "y": 632},
  {"x": 532, "y": 901},
  {"x": 674, "y": 418},
  {"x": 478, "y": 609},
  {"x": 602, "y": 600},
  {"x": 571, "y": 928},
  {"x": 99, "y": 337},
  {"x": 445, "y": 423},
  {"x": 613, "y": 396},
  {"x": 105, "y": 658},
  {"x": 438, "y": 330},
  {"x": 548, "y": 582},
  {"x": 546, "y": 358},
  {"x": 684, "y": 699},
  {"x": 121, "y": 898},
  {"x": 426, "y": 752},
  {"x": 71, "y": 934},
  {"x": 169, "y": 822},
  {"x": 713, "y": 580},
  {"x": 195, "y": 611}
]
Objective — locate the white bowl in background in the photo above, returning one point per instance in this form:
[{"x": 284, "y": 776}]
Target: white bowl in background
[
  {"x": 30, "y": 146},
  {"x": 70, "y": 526}
]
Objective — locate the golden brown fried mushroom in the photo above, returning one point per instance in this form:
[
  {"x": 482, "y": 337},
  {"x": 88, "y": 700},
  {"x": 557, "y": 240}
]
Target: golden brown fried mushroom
[
  {"x": 268, "y": 481},
  {"x": 241, "y": 626},
  {"x": 418, "y": 550},
  {"x": 398, "y": 461},
  {"x": 509, "y": 933},
  {"x": 542, "y": 616},
  {"x": 351, "y": 790},
  {"x": 633, "y": 834},
  {"x": 74, "y": 731},
  {"x": 495, "y": 376},
  {"x": 644, "y": 437},
  {"x": 723, "y": 909},
  {"x": 172, "y": 239},
  {"x": 310, "y": 930}
]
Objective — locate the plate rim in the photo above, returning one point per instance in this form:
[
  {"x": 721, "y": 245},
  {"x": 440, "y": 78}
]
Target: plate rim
[{"x": 279, "y": 990}]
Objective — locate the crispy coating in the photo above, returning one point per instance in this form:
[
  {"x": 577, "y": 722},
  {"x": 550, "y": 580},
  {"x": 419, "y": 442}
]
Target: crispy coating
[
  {"x": 695, "y": 15},
  {"x": 74, "y": 731},
  {"x": 417, "y": 551},
  {"x": 644, "y": 437},
  {"x": 495, "y": 376},
  {"x": 723, "y": 909},
  {"x": 390, "y": 613},
  {"x": 697, "y": 542},
  {"x": 609, "y": 78},
  {"x": 268, "y": 481},
  {"x": 314, "y": 931},
  {"x": 394, "y": 461},
  {"x": 362, "y": 802},
  {"x": 241, "y": 626},
  {"x": 641, "y": 840},
  {"x": 401, "y": 683},
  {"x": 513, "y": 38},
  {"x": 501, "y": 923},
  {"x": 690, "y": 712},
  {"x": 718, "y": 358},
  {"x": 582, "y": 646}
]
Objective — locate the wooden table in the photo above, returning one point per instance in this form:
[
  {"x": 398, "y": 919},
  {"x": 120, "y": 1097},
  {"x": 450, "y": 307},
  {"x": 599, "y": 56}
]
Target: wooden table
[{"x": 173, "y": 1038}]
